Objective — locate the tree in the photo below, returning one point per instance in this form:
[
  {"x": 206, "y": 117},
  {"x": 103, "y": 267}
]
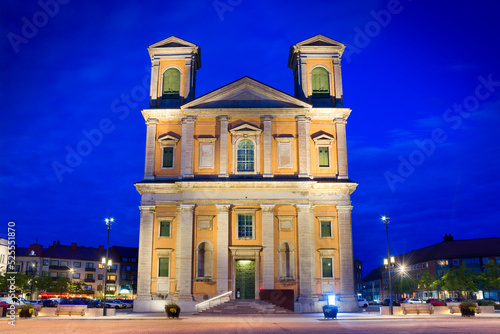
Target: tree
[
  {"x": 460, "y": 280},
  {"x": 78, "y": 286},
  {"x": 44, "y": 283},
  {"x": 408, "y": 284},
  {"x": 426, "y": 282},
  {"x": 490, "y": 276},
  {"x": 21, "y": 282},
  {"x": 61, "y": 285}
]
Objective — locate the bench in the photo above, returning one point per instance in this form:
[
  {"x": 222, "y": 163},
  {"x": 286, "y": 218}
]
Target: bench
[
  {"x": 454, "y": 307},
  {"x": 71, "y": 309},
  {"x": 416, "y": 308}
]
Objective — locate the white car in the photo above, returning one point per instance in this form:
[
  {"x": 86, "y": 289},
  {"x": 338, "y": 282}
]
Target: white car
[
  {"x": 362, "y": 302},
  {"x": 414, "y": 301}
]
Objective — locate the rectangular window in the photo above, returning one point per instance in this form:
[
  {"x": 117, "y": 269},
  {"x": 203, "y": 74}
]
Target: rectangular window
[
  {"x": 245, "y": 226},
  {"x": 324, "y": 156},
  {"x": 76, "y": 276},
  {"x": 45, "y": 262},
  {"x": 64, "y": 263},
  {"x": 165, "y": 228},
  {"x": 327, "y": 267},
  {"x": 133, "y": 260},
  {"x": 100, "y": 266},
  {"x": 125, "y": 259},
  {"x": 163, "y": 267},
  {"x": 54, "y": 263},
  {"x": 326, "y": 229},
  {"x": 88, "y": 287},
  {"x": 77, "y": 264},
  {"x": 100, "y": 277},
  {"x": 124, "y": 277},
  {"x": 89, "y": 276},
  {"x": 89, "y": 265},
  {"x": 485, "y": 260},
  {"x": 455, "y": 262},
  {"x": 168, "y": 157}
]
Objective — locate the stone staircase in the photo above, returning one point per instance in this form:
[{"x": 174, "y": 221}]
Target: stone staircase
[{"x": 245, "y": 306}]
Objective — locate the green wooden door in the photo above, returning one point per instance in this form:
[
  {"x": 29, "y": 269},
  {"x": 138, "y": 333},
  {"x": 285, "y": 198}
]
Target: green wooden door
[{"x": 245, "y": 279}]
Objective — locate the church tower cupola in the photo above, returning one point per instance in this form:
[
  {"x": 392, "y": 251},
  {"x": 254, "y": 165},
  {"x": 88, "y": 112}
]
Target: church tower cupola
[
  {"x": 174, "y": 63},
  {"x": 316, "y": 67}
]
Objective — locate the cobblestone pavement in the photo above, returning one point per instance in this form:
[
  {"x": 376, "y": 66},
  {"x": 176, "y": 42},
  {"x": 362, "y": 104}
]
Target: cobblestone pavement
[{"x": 254, "y": 324}]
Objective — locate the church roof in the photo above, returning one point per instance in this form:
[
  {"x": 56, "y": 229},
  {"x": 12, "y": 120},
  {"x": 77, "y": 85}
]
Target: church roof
[{"x": 318, "y": 44}]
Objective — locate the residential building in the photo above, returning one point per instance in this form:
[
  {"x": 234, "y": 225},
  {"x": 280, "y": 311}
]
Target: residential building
[
  {"x": 127, "y": 257},
  {"x": 246, "y": 187},
  {"x": 371, "y": 285},
  {"x": 4, "y": 254},
  {"x": 358, "y": 277}
]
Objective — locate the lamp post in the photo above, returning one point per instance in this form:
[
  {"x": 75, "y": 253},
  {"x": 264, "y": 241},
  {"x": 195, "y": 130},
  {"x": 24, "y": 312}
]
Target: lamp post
[
  {"x": 33, "y": 265},
  {"x": 106, "y": 262},
  {"x": 390, "y": 259}
]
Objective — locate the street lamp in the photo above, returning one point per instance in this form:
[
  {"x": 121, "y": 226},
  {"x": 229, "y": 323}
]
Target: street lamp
[
  {"x": 106, "y": 262},
  {"x": 390, "y": 259},
  {"x": 33, "y": 265}
]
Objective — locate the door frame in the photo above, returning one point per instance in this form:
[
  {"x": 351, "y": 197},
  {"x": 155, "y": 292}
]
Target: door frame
[{"x": 245, "y": 253}]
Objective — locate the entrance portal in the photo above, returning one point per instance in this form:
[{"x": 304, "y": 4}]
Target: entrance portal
[{"x": 245, "y": 279}]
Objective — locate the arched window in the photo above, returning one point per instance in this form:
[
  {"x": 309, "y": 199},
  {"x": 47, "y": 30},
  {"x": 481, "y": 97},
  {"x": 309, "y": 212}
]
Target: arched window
[
  {"x": 320, "y": 82},
  {"x": 245, "y": 156},
  {"x": 286, "y": 261},
  {"x": 171, "y": 84},
  {"x": 204, "y": 263}
]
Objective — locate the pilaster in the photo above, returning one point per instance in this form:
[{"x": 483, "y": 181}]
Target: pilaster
[
  {"x": 307, "y": 270},
  {"x": 303, "y": 144},
  {"x": 223, "y": 146},
  {"x": 145, "y": 253},
  {"x": 149, "y": 164},
  {"x": 339, "y": 98},
  {"x": 267, "y": 246},
  {"x": 341, "y": 148},
  {"x": 347, "y": 293},
  {"x": 153, "y": 96},
  {"x": 222, "y": 248},
  {"x": 187, "y": 146},
  {"x": 267, "y": 146},
  {"x": 184, "y": 252}
]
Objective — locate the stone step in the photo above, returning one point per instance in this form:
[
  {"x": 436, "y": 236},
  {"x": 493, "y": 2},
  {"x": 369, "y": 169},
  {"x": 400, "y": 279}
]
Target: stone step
[{"x": 237, "y": 306}]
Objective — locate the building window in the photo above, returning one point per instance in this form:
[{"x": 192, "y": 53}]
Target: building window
[
  {"x": 286, "y": 261},
  {"x": 326, "y": 229},
  {"x": 204, "y": 257},
  {"x": 163, "y": 267},
  {"x": 133, "y": 260},
  {"x": 455, "y": 262},
  {"x": 100, "y": 266},
  {"x": 89, "y": 276},
  {"x": 245, "y": 226},
  {"x": 486, "y": 260},
  {"x": 89, "y": 265},
  {"x": 245, "y": 156},
  {"x": 88, "y": 287},
  {"x": 54, "y": 263},
  {"x": 77, "y": 264},
  {"x": 327, "y": 267},
  {"x": 171, "y": 83},
  {"x": 64, "y": 263},
  {"x": 124, "y": 277},
  {"x": 76, "y": 276},
  {"x": 100, "y": 277},
  {"x": 320, "y": 83},
  {"x": 166, "y": 228},
  {"x": 324, "y": 156},
  {"x": 45, "y": 262},
  {"x": 168, "y": 157}
]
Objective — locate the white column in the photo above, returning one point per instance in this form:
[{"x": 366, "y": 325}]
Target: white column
[
  {"x": 188, "y": 95},
  {"x": 339, "y": 98},
  {"x": 304, "y": 76},
  {"x": 308, "y": 145},
  {"x": 268, "y": 249},
  {"x": 222, "y": 248},
  {"x": 153, "y": 92},
  {"x": 145, "y": 253},
  {"x": 341, "y": 148},
  {"x": 223, "y": 146},
  {"x": 184, "y": 252},
  {"x": 267, "y": 146},
  {"x": 149, "y": 165},
  {"x": 302, "y": 134},
  {"x": 307, "y": 270},
  {"x": 347, "y": 297},
  {"x": 187, "y": 146}
]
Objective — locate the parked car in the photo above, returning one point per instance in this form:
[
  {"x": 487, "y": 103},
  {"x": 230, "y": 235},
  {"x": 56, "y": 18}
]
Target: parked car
[
  {"x": 4, "y": 304},
  {"x": 71, "y": 301},
  {"x": 414, "y": 301},
  {"x": 48, "y": 303},
  {"x": 454, "y": 300},
  {"x": 362, "y": 302},
  {"x": 114, "y": 304},
  {"x": 493, "y": 300},
  {"x": 436, "y": 302},
  {"x": 14, "y": 300},
  {"x": 387, "y": 302},
  {"x": 128, "y": 302}
]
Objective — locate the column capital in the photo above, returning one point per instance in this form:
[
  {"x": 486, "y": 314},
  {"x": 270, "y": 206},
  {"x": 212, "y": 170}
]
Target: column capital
[
  {"x": 223, "y": 118},
  {"x": 267, "y": 207},
  {"x": 267, "y": 118},
  {"x": 152, "y": 121},
  {"x": 304, "y": 208},
  {"x": 221, "y": 208},
  {"x": 188, "y": 119},
  {"x": 147, "y": 208},
  {"x": 301, "y": 118},
  {"x": 185, "y": 207},
  {"x": 340, "y": 120},
  {"x": 344, "y": 208}
]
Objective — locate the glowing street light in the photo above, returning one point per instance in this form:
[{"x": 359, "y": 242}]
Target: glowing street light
[
  {"x": 106, "y": 262},
  {"x": 390, "y": 258}
]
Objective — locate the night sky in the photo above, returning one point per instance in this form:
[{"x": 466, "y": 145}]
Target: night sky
[{"x": 422, "y": 79}]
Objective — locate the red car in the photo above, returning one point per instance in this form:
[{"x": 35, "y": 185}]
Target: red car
[{"x": 436, "y": 302}]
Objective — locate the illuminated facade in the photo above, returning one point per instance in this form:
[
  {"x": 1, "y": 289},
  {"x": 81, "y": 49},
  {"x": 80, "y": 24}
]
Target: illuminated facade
[{"x": 246, "y": 187}]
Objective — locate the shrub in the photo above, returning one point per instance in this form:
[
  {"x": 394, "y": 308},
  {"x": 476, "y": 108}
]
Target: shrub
[{"x": 482, "y": 302}]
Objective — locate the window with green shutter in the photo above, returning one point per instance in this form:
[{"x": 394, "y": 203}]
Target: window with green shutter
[
  {"x": 327, "y": 267},
  {"x": 168, "y": 157},
  {"x": 164, "y": 267},
  {"x": 245, "y": 226},
  {"x": 165, "y": 229},
  {"x": 320, "y": 83},
  {"x": 326, "y": 229},
  {"x": 171, "y": 83},
  {"x": 324, "y": 156}
]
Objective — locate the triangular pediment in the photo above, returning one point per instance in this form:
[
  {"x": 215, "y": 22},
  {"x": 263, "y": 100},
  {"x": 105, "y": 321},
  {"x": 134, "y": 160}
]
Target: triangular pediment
[
  {"x": 245, "y": 93},
  {"x": 172, "y": 42},
  {"x": 320, "y": 40},
  {"x": 246, "y": 128}
]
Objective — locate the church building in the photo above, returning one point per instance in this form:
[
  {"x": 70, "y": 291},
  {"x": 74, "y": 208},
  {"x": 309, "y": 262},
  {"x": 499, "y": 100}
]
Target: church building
[{"x": 246, "y": 187}]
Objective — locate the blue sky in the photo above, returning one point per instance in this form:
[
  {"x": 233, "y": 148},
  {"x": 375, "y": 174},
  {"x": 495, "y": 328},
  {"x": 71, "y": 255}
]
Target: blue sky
[{"x": 422, "y": 79}]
